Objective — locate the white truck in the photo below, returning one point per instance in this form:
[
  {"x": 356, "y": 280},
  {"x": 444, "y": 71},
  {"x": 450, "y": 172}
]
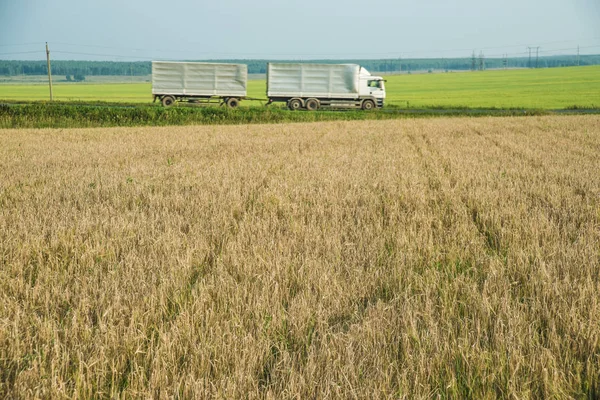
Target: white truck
[
  {"x": 199, "y": 82},
  {"x": 313, "y": 86}
]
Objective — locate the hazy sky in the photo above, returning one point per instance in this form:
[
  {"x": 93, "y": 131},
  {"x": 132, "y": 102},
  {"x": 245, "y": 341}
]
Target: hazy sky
[{"x": 196, "y": 29}]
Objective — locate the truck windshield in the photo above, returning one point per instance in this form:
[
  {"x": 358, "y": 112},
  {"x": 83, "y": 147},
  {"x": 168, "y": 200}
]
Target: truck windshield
[{"x": 375, "y": 84}]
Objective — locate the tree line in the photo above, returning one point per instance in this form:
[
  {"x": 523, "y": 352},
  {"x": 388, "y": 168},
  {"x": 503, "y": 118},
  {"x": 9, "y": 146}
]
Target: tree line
[
  {"x": 75, "y": 68},
  {"x": 140, "y": 68}
]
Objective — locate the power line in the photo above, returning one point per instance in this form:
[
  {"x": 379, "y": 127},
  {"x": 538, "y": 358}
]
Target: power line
[
  {"x": 121, "y": 48},
  {"x": 101, "y": 55},
  {"x": 22, "y": 44},
  {"x": 254, "y": 54},
  {"x": 21, "y": 52},
  {"x": 146, "y": 58},
  {"x": 524, "y": 54},
  {"x": 290, "y": 54},
  {"x": 383, "y": 54}
]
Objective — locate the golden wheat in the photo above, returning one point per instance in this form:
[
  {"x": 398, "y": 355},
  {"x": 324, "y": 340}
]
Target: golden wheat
[{"x": 417, "y": 258}]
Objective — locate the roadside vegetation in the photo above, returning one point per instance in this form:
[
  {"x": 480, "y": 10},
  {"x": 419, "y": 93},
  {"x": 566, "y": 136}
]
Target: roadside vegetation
[
  {"x": 70, "y": 115},
  {"x": 422, "y": 258}
]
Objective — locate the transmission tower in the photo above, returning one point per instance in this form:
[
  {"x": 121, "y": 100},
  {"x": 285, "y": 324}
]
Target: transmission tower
[{"x": 537, "y": 54}]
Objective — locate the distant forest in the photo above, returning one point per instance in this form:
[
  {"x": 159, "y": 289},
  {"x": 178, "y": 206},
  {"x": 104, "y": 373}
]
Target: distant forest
[{"x": 139, "y": 68}]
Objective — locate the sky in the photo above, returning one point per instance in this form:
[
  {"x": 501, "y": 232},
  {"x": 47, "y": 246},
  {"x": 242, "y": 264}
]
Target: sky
[{"x": 142, "y": 30}]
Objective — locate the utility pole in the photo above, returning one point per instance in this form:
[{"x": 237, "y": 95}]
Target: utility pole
[
  {"x": 481, "y": 61},
  {"x": 529, "y": 64},
  {"x": 49, "y": 71},
  {"x": 473, "y": 61}
]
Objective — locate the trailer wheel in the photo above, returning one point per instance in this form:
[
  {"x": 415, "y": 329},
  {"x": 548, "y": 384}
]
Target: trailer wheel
[
  {"x": 232, "y": 102},
  {"x": 368, "y": 105},
  {"x": 168, "y": 101},
  {"x": 312, "y": 104},
  {"x": 294, "y": 104}
]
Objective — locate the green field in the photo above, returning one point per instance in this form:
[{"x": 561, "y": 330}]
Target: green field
[
  {"x": 529, "y": 88},
  {"x": 552, "y": 88}
]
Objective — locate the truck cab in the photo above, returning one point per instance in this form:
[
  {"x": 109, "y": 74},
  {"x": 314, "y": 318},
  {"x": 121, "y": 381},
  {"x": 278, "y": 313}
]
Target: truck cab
[{"x": 372, "y": 86}]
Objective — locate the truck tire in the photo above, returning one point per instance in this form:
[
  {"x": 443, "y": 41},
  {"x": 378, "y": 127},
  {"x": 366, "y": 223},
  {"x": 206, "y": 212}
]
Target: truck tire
[
  {"x": 232, "y": 102},
  {"x": 312, "y": 104},
  {"x": 294, "y": 104},
  {"x": 368, "y": 105},
  {"x": 168, "y": 101}
]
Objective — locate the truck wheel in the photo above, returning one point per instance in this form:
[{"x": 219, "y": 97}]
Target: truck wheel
[
  {"x": 312, "y": 104},
  {"x": 233, "y": 102},
  {"x": 294, "y": 104},
  {"x": 168, "y": 101},
  {"x": 368, "y": 105}
]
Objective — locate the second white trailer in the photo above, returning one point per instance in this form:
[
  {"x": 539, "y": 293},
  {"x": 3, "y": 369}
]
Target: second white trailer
[{"x": 199, "y": 82}]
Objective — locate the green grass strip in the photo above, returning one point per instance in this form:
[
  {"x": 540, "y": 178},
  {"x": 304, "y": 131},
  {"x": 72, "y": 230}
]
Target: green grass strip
[{"x": 66, "y": 115}]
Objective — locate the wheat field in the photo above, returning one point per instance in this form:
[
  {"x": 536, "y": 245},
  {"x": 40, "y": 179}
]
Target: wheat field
[{"x": 452, "y": 258}]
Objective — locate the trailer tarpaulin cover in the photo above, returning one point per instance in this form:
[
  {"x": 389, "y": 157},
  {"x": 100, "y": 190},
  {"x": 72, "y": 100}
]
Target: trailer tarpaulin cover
[{"x": 199, "y": 79}]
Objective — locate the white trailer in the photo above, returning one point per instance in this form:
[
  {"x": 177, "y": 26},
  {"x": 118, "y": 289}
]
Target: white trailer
[
  {"x": 313, "y": 86},
  {"x": 199, "y": 82}
]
